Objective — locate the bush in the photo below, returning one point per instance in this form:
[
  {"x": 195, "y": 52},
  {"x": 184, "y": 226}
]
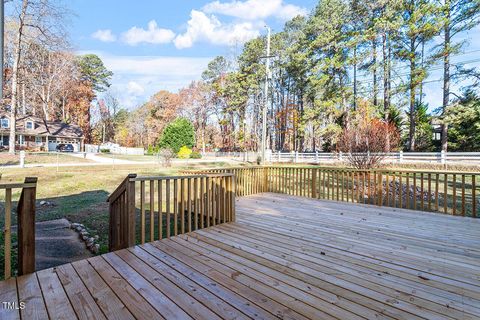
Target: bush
[
  {"x": 166, "y": 154},
  {"x": 104, "y": 150},
  {"x": 177, "y": 134},
  {"x": 184, "y": 152},
  {"x": 151, "y": 150},
  {"x": 196, "y": 155}
]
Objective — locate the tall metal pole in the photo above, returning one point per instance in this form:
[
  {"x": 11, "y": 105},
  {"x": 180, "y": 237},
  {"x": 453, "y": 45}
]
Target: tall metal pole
[
  {"x": 265, "y": 106},
  {"x": 2, "y": 22}
]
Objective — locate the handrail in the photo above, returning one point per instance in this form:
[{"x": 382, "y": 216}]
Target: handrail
[
  {"x": 26, "y": 226},
  {"x": 168, "y": 205}
]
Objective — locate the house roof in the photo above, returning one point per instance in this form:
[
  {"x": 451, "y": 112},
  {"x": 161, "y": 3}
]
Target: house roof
[{"x": 42, "y": 127}]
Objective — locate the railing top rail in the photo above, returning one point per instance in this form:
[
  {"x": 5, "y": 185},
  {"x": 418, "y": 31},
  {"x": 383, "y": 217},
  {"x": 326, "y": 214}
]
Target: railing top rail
[
  {"x": 17, "y": 185},
  {"x": 159, "y": 178},
  {"x": 332, "y": 168}
]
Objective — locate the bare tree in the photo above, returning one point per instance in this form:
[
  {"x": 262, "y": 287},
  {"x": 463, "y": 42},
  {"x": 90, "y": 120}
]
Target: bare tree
[{"x": 39, "y": 21}]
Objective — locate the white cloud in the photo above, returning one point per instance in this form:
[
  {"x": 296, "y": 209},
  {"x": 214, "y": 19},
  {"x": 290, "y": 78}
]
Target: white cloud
[
  {"x": 151, "y": 73},
  {"x": 209, "y": 29},
  {"x": 255, "y": 9},
  {"x": 153, "y": 34},
  {"x": 104, "y": 35},
  {"x": 135, "y": 89}
]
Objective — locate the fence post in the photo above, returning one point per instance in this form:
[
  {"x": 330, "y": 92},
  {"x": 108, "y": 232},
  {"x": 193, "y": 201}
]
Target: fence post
[
  {"x": 296, "y": 156},
  {"x": 22, "y": 159},
  {"x": 279, "y": 155},
  {"x": 443, "y": 157},
  {"x": 316, "y": 157},
  {"x": 340, "y": 156},
  {"x": 26, "y": 228},
  {"x": 400, "y": 156}
]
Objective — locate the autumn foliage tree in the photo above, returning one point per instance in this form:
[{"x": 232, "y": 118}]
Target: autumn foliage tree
[{"x": 366, "y": 139}]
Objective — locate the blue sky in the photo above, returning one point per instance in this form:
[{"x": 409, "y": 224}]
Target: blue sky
[{"x": 152, "y": 45}]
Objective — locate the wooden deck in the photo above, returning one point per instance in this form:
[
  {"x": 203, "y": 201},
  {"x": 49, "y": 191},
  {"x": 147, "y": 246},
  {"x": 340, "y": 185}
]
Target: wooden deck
[{"x": 286, "y": 257}]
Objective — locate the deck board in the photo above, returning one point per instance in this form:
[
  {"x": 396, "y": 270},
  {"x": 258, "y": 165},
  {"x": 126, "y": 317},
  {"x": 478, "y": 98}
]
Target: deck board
[{"x": 286, "y": 257}]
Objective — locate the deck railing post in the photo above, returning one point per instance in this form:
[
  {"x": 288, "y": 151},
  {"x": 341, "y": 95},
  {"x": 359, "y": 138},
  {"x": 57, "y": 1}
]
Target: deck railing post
[
  {"x": 130, "y": 211},
  {"x": 26, "y": 228},
  {"x": 314, "y": 183}
]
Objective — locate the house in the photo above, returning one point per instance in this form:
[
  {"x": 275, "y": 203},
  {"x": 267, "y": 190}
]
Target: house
[{"x": 35, "y": 134}]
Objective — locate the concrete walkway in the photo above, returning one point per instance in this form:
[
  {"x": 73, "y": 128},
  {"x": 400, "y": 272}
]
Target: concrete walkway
[{"x": 57, "y": 244}]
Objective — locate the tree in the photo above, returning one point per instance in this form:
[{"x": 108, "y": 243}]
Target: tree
[
  {"x": 464, "y": 119},
  {"x": 94, "y": 72},
  {"x": 177, "y": 134},
  {"x": 458, "y": 16},
  {"x": 420, "y": 23},
  {"x": 39, "y": 21}
]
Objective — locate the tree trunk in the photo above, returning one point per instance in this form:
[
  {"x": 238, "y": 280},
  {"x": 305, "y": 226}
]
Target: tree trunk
[
  {"x": 15, "y": 70},
  {"x": 386, "y": 91},
  {"x": 446, "y": 75},
  {"x": 375, "y": 81},
  {"x": 411, "y": 133},
  {"x": 355, "y": 78}
]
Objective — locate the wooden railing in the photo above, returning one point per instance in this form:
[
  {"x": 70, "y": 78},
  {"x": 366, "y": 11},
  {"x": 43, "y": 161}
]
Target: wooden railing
[
  {"x": 25, "y": 227},
  {"x": 168, "y": 206},
  {"x": 448, "y": 192}
]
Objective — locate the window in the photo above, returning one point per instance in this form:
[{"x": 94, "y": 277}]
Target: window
[
  {"x": 38, "y": 140},
  {"x": 5, "y": 123},
  {"x": 29, "y": 125},
  {"x": 437, "y": 136},
  {"x": 21, "y": 139}
]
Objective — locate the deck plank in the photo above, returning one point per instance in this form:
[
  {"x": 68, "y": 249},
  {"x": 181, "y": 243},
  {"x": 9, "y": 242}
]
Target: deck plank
[
  {"x": 30, "y": 293},
  {"x": 56, "y": 300},
  {"x": 286, "y": 257},
  {"x": 8, "y": 294},
  {"x": 106, "y": 299}
]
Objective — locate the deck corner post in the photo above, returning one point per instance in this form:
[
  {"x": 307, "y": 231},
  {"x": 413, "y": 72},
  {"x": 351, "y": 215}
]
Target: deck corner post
[
  {"x": 26, "y": 228},
  {"x": 130, "y": 212}
]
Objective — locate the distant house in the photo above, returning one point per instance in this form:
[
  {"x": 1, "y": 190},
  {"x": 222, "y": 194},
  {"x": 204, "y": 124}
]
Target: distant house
[{"x": 35, "y": 134}]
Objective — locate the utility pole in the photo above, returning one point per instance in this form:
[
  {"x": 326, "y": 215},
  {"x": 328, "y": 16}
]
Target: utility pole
[{"x": 265, "y": 106}]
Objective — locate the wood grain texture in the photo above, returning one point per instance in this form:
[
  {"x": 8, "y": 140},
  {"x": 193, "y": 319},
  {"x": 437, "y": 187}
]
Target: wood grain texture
[{"x": 286, "y": 257}]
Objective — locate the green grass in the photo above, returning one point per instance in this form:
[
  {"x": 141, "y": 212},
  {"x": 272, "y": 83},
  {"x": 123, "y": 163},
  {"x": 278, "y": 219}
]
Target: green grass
[{"x": 7, "y": 159}]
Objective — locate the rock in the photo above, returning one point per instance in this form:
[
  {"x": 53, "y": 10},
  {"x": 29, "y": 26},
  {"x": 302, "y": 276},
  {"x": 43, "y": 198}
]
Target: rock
[
  {"x": 84, "y": 238},
  {"x": 95, "y": 248},
  {"x": 43, "y": 202},
  {"x": 78, "y": 228},
  {"x": 74, "y": 225},
  {"x": 96, "y": 237}
]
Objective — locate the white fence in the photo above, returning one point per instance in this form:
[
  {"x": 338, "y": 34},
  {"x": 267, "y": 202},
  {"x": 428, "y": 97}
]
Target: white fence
[
  {"x": 392, "y": 157},
  {"x": 91, "y": 148},
  {"x": 326, "y": 157}
]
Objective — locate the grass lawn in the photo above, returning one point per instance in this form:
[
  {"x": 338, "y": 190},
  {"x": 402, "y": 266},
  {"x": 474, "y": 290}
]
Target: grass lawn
[
  {"x": 34, "y": 158},
  {"x": 139, "y": 158}
]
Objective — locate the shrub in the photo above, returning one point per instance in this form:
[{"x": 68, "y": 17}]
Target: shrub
[
  {"x": 166, "y": 154},
  {"x": 177, "y": 134},
  {"x": 184, "y": 152},
  {"x": 196, "y": 155},
  {"x": 367, "y": 144},
  {"x": 104, "y": 150}
]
